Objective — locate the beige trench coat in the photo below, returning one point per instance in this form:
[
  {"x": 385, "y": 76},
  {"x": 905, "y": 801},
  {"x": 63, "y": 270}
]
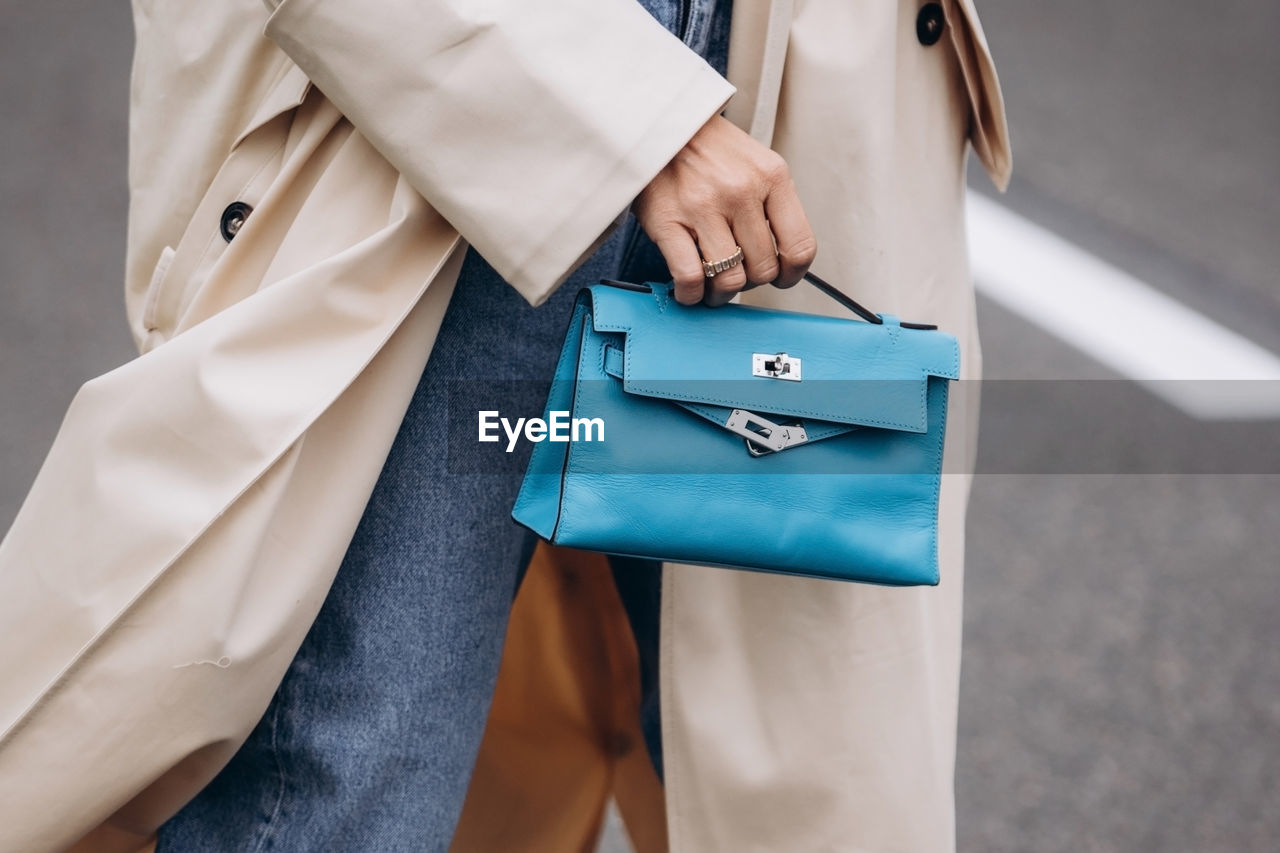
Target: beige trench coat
[{"x": 188, "y": 520}]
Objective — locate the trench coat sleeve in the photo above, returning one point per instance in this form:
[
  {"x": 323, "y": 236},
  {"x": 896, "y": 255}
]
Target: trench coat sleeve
[{"x": 530, "y": 125}]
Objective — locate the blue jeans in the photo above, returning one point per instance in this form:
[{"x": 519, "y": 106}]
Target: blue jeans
[{"x": 370, "y": 739}]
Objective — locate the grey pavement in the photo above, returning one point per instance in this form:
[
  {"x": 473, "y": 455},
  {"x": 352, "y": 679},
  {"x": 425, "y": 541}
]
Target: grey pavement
[
  {"x": 1121, "y": 683},
  {"x": 1121, "y": 686},
  {"x": 1157, "y": 124}
]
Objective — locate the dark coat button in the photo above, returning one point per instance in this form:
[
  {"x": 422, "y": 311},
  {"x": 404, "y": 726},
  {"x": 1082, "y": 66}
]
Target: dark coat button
[
  {"x": 930, "y": 23},
  {"x": 233, "y": 219}
]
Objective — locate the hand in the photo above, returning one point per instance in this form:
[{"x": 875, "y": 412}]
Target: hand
[{"x": 725, "y": 189}]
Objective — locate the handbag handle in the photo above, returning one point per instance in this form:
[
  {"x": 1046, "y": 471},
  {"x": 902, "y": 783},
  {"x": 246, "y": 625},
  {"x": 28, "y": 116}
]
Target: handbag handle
[
  {"x": 822, "y": 285},
  {"x": 850, "y": 303}
]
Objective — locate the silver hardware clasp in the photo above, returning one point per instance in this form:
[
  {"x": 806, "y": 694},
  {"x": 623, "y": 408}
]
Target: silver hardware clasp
[
  {"x": 763, "y": 435},
  {"x": 777, "y": 365}
]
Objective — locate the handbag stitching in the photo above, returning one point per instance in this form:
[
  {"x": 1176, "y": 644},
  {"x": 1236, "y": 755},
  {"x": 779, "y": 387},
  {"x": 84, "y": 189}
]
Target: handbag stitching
[
  {"x": 937, "y": 441},
  {"x": 935, "y": 492},
  {"x": 584, "y": 360},
  {"x": 816, "y": 431},
  {"x": 822, "y": 428},
  {"x": 579, "y": 309},
  {"x": 952, "y": 373},
  {"x": 582, "y": 325},
  {"x": 826, "y": 416},
  {"x": 662, "y": 295},
  {"x": 820, "y": 415},
  {"x": 604, "y": 360},
  {"x": 924, "y": 401}
]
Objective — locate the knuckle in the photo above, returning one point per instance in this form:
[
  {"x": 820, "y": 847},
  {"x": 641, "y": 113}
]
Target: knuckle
[
  {"x": 775, "y": 168},
  {"x": 801, "y": 251},
  {"x": 687, "y": 278},
  {"x": 668, "y": 230},
  {"x": 687, "y": 295},
  {"x": 655, "y": 206},
  {"x": 700, "y": 197},
  {"x": 764, "y": 271},
  {"x": 730, "y": 281},
  {"x": 740, "y": 187}
]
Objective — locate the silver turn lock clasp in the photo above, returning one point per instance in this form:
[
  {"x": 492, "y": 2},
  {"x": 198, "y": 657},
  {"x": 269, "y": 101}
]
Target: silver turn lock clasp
[
  {"x": 777, "y": 365},
  {"x": 763, "y": 435}
]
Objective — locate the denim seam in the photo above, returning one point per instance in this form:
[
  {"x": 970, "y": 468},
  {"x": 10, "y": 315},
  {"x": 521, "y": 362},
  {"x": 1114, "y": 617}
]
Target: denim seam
[
  {"x": 698, "y": 31},
  {"x": 264, "y": 836}
]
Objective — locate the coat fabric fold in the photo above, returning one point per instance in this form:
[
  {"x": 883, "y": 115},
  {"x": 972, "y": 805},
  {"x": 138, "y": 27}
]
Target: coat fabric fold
[{"x": 197, "y": 501}]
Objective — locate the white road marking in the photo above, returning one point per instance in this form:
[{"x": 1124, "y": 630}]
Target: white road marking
[{"x": 1122, "y": 322}]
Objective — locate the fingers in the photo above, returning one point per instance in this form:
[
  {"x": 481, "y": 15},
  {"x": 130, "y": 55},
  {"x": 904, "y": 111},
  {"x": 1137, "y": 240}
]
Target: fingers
[
  {"x": 724, "y": 190},
  {"x": 716, "y": 243},
  {"x": 681, "y": 254},
  {"x": 760, "y": 258},
  {"x": 796, "y": 244}
]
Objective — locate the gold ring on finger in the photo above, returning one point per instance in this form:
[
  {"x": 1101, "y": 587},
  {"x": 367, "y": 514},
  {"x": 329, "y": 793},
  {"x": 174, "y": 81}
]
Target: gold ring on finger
[{"x": 713, "y": 268}]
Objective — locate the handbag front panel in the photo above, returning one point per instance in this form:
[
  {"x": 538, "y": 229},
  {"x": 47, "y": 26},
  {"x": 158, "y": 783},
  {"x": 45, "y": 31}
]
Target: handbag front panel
[{"x": 668, "y": 484}]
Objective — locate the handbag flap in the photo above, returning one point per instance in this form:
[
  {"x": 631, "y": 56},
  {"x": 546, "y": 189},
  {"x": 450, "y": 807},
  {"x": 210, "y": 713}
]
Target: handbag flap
[{"x": 851, "y": 371}]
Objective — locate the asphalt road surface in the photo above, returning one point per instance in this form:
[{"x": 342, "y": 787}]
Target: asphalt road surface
[{"x": 1122, "y": 661}]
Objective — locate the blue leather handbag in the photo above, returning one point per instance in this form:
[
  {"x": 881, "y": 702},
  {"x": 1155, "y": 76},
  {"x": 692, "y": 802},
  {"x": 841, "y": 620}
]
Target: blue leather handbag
[{"x": 744, "y": 437}]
